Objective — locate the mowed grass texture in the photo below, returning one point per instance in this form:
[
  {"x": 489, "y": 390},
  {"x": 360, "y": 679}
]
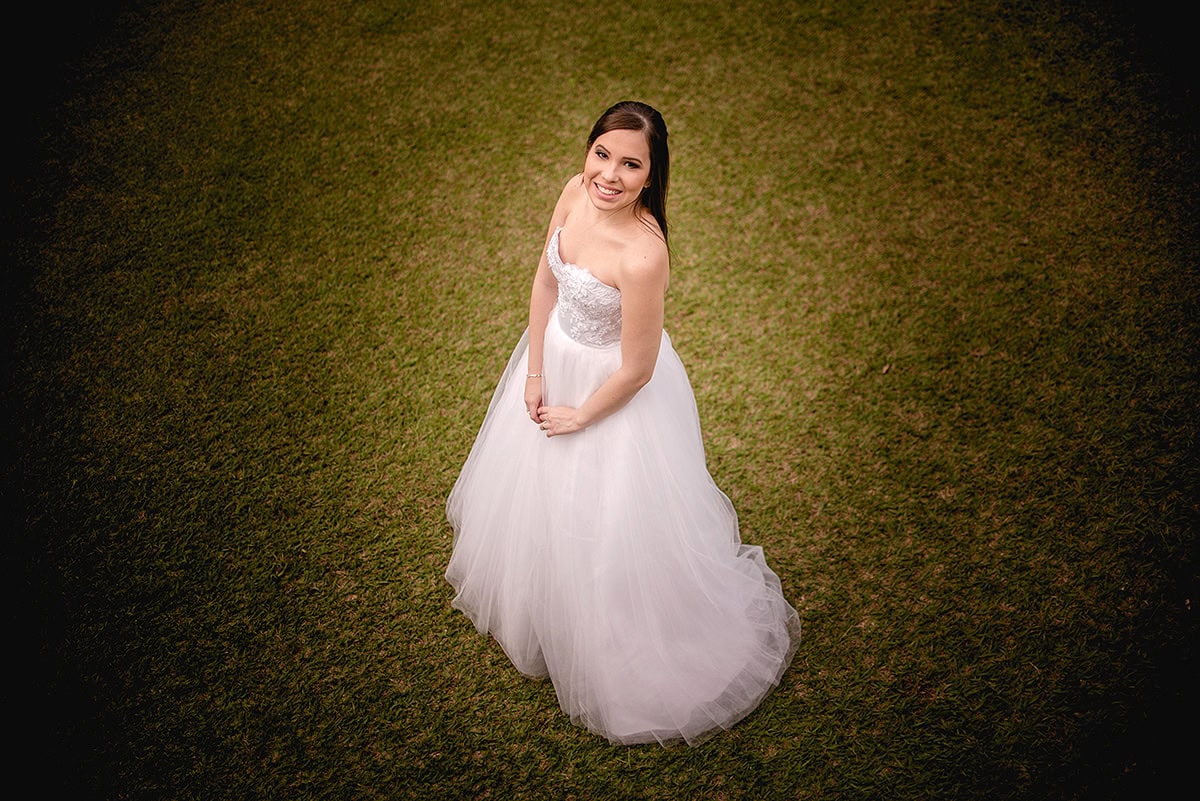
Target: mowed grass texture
[{"x": 934, "y": 279}]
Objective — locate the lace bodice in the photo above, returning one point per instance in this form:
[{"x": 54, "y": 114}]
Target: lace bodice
[{"x": 588, "y": 309}]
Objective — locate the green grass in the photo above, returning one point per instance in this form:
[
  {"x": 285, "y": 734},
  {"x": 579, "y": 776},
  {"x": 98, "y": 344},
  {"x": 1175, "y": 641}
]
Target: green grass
[{"x": 934, "y": 279}]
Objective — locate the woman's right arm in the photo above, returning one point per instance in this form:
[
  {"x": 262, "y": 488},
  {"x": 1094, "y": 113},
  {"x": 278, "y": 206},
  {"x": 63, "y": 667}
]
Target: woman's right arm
[{"x": 542, "y": 298}]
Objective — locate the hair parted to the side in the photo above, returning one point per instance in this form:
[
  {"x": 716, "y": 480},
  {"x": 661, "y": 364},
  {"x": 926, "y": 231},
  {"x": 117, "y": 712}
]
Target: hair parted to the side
[{"x": 630, "y": 115}]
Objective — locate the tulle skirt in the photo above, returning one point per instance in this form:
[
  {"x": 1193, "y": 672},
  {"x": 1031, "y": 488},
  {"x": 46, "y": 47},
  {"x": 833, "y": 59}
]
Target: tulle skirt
[{"x": 608, "y": 559}]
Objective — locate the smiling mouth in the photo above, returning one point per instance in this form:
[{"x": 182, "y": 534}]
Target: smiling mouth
[{"x": 606, "y": 192}]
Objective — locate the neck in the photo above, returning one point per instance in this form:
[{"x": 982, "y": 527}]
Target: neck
[{"x": 616, "y": 218}]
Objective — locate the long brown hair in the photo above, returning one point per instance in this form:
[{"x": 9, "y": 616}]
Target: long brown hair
[{"x": 630, "y": 115}]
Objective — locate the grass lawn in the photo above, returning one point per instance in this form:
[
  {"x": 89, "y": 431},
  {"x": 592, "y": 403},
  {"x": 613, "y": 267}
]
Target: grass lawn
[{"x": 934, "y": 279}]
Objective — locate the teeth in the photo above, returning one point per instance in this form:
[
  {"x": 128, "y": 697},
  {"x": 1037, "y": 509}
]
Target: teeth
[{"x": 605, "y": 191}]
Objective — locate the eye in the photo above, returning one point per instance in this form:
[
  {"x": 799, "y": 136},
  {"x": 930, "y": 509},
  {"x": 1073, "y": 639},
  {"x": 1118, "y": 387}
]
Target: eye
[
  {"x": 601, "y": 154},
  {"x": 633, "y": 165}
]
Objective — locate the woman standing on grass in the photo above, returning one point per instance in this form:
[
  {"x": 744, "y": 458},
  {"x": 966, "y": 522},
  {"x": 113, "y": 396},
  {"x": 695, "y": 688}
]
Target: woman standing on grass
[{"x": 590, "y": 539}]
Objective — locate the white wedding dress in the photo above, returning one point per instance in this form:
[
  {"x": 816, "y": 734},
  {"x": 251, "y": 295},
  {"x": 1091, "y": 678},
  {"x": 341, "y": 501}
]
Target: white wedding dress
[{"x": 608, "y": 559}]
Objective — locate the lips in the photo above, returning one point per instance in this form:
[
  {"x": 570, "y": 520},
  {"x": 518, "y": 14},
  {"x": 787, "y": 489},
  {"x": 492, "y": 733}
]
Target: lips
[{"x": 604, "y": 191}]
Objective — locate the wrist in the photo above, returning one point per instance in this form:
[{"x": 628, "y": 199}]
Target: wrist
[{"x": 533, "y": 375}]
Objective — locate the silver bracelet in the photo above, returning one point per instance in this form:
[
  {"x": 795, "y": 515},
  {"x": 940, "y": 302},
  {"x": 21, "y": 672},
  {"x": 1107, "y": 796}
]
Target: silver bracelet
[{"x": 533, "y": 375}]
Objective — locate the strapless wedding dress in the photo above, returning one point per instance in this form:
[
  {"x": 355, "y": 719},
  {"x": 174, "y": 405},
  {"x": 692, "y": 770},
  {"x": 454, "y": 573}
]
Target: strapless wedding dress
[{"x": 608, "y": 559}]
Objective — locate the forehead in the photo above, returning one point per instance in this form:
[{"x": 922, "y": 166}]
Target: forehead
[{"x": 625, "y": 143}]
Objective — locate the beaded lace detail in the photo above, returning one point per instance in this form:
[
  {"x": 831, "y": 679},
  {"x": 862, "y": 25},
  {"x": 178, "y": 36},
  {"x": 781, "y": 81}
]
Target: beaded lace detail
[{"x": 588, "y": 309}]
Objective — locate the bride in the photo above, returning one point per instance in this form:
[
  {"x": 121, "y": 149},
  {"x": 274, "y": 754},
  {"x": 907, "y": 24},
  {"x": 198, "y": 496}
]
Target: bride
[{"x": 589, "y": 538}]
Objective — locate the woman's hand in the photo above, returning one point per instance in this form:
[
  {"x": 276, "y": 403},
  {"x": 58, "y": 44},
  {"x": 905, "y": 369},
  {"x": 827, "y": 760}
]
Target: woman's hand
[
  {"x": 533, "y": 397},
  {"x": 556, "y": 420}
]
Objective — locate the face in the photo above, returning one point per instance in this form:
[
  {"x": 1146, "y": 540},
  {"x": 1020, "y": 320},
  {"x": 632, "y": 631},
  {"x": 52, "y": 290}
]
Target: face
[{"x": 617, "y": 169}]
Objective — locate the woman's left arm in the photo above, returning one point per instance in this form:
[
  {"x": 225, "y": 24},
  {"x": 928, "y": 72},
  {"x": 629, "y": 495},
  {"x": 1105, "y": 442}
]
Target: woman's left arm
[{"x": 643, "y": 285}]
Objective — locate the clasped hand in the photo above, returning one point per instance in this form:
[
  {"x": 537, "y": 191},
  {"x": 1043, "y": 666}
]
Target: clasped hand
[{"x": 555, "y": 420}]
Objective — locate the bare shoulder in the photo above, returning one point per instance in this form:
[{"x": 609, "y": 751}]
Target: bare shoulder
[
  {"x": 568, "y": 199},
  {"x": 646, "y": 257},
  {"x": 572, "y": 189}
]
